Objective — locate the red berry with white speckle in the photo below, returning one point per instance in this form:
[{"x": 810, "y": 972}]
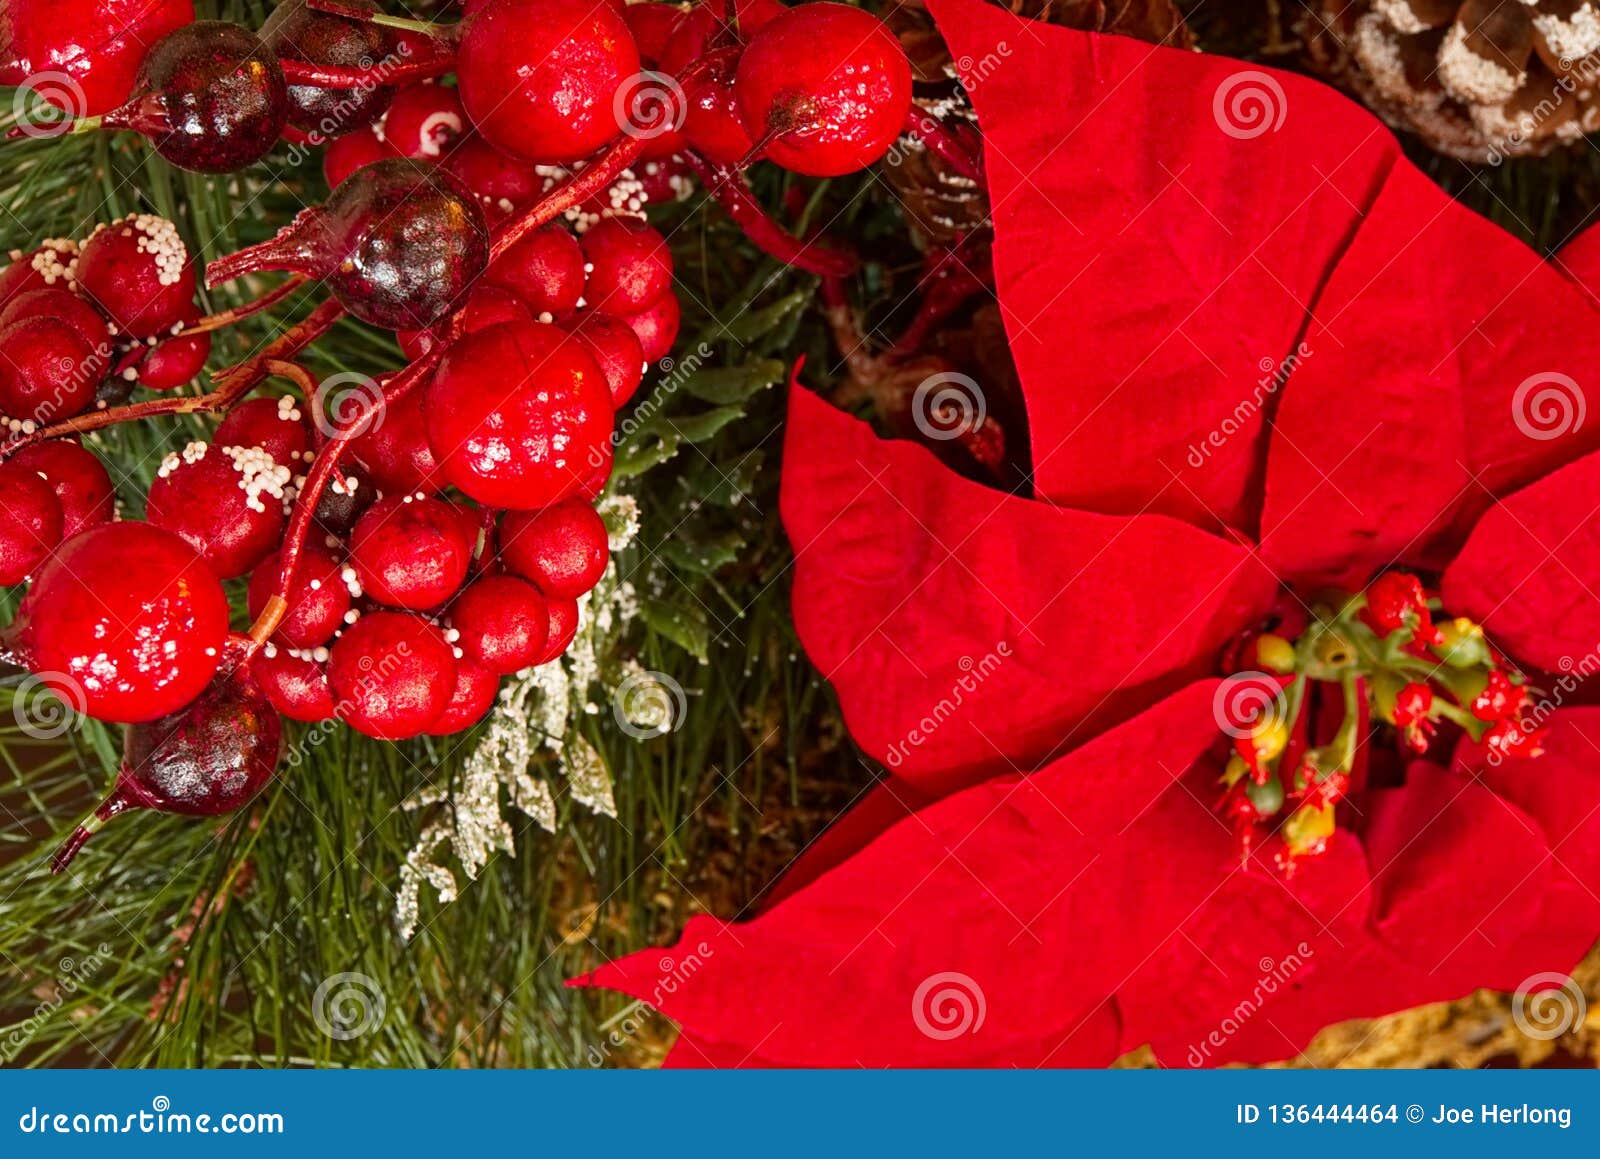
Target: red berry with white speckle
[
  {"x": 423, "y": 122},
  {"x": 65, "y": 306},
  {"x": 503, "y": 623},
  {"x": 137, "y": 271},
  {"x": 123, "y": 622},
  {"x": 276, "y": 425},
  {"x": 78, "y": 479},
  {"x": 393, "y": 674},
  {"x": 411, "y": 552},
  {"x": 54, "y": 265},
  {"x": 226, "y": 502},
  {"x": 319, "y": 596},
  {"x": 294, "y": 682},
  {"x": 562, "y": 549}
]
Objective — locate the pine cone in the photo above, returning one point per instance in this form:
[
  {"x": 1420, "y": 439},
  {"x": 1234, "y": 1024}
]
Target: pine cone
[
  {"x": 1481, "y": 80},
  {"x": 944, "y": 204}
]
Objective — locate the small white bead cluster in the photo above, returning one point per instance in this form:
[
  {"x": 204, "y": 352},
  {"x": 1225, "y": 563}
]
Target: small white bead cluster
[
  {"x": 260, "y": 474},
  {"x": 191, "y": 453},
  {"x": 159, "y": 238}
]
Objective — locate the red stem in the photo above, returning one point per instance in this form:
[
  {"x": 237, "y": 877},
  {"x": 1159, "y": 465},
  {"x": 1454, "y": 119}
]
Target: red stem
[
  {"x": 334, "y": 76},
  {"x": 229, "y": 317},
  {"x": 933, "y": 133},
  {"x": 734, "y": 195},
  {"x": 574, "y": 191},
  {"x": 112, "y": 806},
  {"x": 949, "y": 284}
]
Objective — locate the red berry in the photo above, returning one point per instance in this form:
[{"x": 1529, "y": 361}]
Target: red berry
[
  {"x": 48, "y": 371},
  {"x": 175, "y": 362},
  {"x": 210, "y": 97},
  {"x": 78, "y": 478},
  {"x": 399, "y": 244},
  {"x": 539, "y": 78},
  {"x": 488, "y": 305},
  {"x": 137, "y": 271},
  {"x": 501, "y": 184},
  {"x": 394, "y": 453},
  {"x": 470, "y": 700},
  {"x": 410, "y": 552},
  {"x": 616, "y": 349},
  {"x": 833, "y": 83},
  {"x": 64, "y": 306},
  {"x": 630, "y": 266},
  {"x": 545, "y": 270},
  {"x": 393, "y": 674},
  {"x": 226, "y": 502},
  {"x": 656, "y": 327},
  {"x": 563, "y": 627},
  {"x": 349, "y": 153},
  {"x": 423, "y": 121},
  {"x": 31, "y": 522},
  {"x": 296, "y": 685},
  {"x": 275, "y": 425},
  {"x": 124, "y": 622},
  {"x": 318, "y": 598},
  {"x": 711, "y": 124},
  {"x": 98, "y": 43},
  {"x": 515, "y": 414},
  {"x": 503, "y": 624},
  {"x": 652, "y": 26},
  {"x": 54, "y": 264},
  {"x": 562, "y": 549}
]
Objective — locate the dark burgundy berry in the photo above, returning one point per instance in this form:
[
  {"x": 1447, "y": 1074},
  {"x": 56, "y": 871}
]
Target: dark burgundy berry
[
  {"x": 545, "y": 270},
  {"x": 394, "y": 453},
  {"x": 175, "y": 362},
  {"x": 276, "y": 425},
  {"x": 124, "y": 622},
  {"x": 228, "y": 503},
  {"x": 393, "y": 674},
  {"x": 410, "y": 552},
  {"x": 423, "y": 121},
  {"x": 562, "y": 549},
  {"x": 203, "y": 760},
  {"x": 78, "y": 479},
  {"x": 47, "y": 371},
  {"x": 294, "y": 682},
  {"x": 342, "y": 502},
  {"x": 137, "y": 272},
  {"x": 517, "y": 413},
  {"x": 629, "y": 265},
  {"x": 399, "y": 243},
  {"x": 295, "y": 32},
  {"x": 539, "y": 78},
  {"x": 656, "y": 327},
  {"x": 503, "y": 622},
  {"x": 30, "y": 523},
  {"x": 209, "y": 96},
  {"x": 828, "y": 85},
  {"x": 617, "y": 350},
  {"x": 563, "y": 627},
  {"x": 470, "y": 700},
  {"x": 319, "y": 598}
]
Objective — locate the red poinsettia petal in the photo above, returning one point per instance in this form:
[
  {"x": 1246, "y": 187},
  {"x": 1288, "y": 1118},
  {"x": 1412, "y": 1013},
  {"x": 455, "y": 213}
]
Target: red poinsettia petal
[
  {"x": 1163, "y": 223},
  {"x": 1530, "y": 571},
  {"x": 970, "y": 632},
  {"x": 953, "y": 910},
  {"x": 1435, "y": 378},
  {"x": 1579, "y": 262}
]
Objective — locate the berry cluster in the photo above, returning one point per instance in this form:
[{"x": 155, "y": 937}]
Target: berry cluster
[
  {"x": 1307, "y": 696},
  {"x": 412, "y": 540}
]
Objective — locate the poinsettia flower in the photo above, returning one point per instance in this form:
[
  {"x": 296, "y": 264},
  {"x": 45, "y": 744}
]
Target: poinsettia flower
[{"x": 1265, "y": 359}]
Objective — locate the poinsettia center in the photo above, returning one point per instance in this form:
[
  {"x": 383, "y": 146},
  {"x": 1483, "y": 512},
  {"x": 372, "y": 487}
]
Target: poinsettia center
[{"x": 1353, "y": 669}]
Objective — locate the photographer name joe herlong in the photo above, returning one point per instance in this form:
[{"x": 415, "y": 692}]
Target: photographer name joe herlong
[{"x": 1492, "y": 1114}]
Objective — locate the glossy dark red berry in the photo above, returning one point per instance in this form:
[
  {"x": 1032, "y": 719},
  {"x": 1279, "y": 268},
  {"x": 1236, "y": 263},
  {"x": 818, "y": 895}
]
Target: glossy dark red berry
[
  {"x": 517, "y": 413},
  {"x": 399, "y": 243},
  {"x": 411, "y": 552},
  {"x": 539, "y": 78},
  {"x": 78, "y": 479},
  {"x": 393, "y": 674},
  {"x": 228, "y": 503},
  {"x": 209, "y": 96},
  {"x": 137, "y": 272},
  {"x": 99, "y": 44},
  {"x": 123, "y": 622},
  {"x": 828, "y": 84},
  {"x": 561, "y": 549},
  {"x": 47, "y": 372},
  {"x": 504, "y": 623},
  {"x": 31, "y": 522},
  {"x": 319, "y": 596},
  {"x": 295, "y": 31},
  {"x": 545, "y": 270}
]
